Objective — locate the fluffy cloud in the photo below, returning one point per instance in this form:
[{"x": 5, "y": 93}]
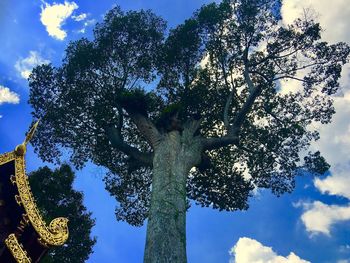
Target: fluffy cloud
[
  {"x": 319, "y": 217},
  {"x": 54, "y": 16},
  {"x": 80, "y": 17},
  {"x": 8, "y": 96},
  {"x": 334, "y": 20},
  {"x": 335, "y": 137},
  {"x": 336, "y": 184},
  {"x": 24, "y": 66},
  {"x": 248, "y": 250}
]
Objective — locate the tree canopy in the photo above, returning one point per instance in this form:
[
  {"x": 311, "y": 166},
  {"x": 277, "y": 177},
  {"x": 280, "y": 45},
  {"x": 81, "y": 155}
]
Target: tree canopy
[
  {"x": 221, "y": 72},
  {"x": 55, "y": 197}
]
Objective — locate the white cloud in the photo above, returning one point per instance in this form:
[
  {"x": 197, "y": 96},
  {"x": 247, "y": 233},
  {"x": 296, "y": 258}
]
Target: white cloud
[
  {"x": 8, "y": 96},
  {"x": 335, "y": 137},
  {"x": 54, "y": 16},
  {"x": 318, "y": 217},
  {"x": 24, "y": 66},
  {"x": 334, "y": 20},
  {"x": 248, "y": 250},
  {"x": 336, "y": 184},
  {"x": 80, "y": 17}
]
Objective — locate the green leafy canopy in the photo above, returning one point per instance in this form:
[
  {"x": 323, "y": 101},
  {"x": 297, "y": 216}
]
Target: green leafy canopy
[
  {"x": 55, "y": 197},
  {"x": 223, "y": 66}
]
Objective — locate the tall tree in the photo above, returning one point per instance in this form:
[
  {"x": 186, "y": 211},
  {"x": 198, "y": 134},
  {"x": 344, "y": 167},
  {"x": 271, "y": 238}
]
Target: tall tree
[
  {"x": 196, "y": 112},
  {"x": 55, "y": 197}
]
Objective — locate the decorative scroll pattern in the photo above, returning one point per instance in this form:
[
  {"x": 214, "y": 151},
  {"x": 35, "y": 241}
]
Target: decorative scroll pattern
[
  {"x": 16, "y": 249},
  {"x": 7, "y": 157},
  {"x": 57, "y": 232}
]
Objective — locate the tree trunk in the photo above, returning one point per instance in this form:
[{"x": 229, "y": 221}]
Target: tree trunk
[{"x": 166, "y": 230}]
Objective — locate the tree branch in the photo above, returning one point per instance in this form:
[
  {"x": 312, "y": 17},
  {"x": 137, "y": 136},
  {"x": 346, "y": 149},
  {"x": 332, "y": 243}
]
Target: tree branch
[
  {"x": 146, "y": 127},
  {"x": 114, "y": 137},
  {"x": 192, "y": 126},
  {"x": 246, "y": 72},
  {"x": 239, "y": 119},
  {"x": 227, "y": 106},
  {"x": 254, "y": 93},
  {"x": 215, "y": 143},
  {"x": 232, "y": 136}
]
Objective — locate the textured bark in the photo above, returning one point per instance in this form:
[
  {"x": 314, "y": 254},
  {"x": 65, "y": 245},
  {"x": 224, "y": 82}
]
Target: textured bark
[{"x": 174, "y": 156}]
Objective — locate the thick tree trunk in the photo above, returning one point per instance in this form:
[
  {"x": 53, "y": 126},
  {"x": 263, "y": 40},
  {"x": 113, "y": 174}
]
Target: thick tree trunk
[{"x": 166, "y": 229}]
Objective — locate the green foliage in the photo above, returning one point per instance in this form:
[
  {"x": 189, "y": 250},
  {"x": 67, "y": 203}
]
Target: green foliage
[
  {"x": 132, "y": 65},
  {"x": 314, "y": 162},
  {"x": 55, "y": 197},
  {"x": 138, "y": 100}
]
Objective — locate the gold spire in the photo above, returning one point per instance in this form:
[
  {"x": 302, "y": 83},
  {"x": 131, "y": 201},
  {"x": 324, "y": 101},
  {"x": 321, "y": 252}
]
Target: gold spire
[
  {"x": 31, "y": 132},
  {"x": 21, "y": 149}
]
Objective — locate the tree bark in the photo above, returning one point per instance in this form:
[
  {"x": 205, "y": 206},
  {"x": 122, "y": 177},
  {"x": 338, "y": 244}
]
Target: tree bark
[{"x": 174, "y": 156}]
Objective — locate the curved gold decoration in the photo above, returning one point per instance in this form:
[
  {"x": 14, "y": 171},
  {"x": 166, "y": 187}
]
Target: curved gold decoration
[
  {"x": 16, "y": 249},
  {"x": 7, "y": 157},
  {"x": 57, "y": 232},
  {"x": 31, "y": 132}
]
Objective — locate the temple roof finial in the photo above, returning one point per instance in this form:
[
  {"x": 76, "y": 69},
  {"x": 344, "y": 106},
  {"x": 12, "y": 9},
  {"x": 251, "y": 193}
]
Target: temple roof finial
[{"x": 21, "y": 149}]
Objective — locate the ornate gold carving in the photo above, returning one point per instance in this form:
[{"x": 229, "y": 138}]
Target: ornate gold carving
[
  {"x": 16, "y": 249},
  {"x": 13, "y": 179},
  {"x": 7, "y": 157},
  {"x": 57, "y": 232},
  {"x": 53, "y": 235},
  {"x": 31, "y": 132}
]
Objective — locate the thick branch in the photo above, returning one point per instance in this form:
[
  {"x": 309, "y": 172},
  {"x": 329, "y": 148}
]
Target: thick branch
[
  {"x": 192, "y": 126},
  {"x": 254, "y": 93},
  {"x": 240, "y": 117},
  {"x": 117, "y": 142},
  {"x": 246, "y": 72},
  {"x": 227, "y": 107},
  {"x": 215, "y": 143},
  {"x": 146, "y": 127},
  {"x": 232, "y": 136}
]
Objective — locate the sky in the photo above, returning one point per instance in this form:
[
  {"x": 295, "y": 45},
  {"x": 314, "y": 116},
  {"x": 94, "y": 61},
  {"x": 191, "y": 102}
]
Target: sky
[{"x": 312, "y": 224}]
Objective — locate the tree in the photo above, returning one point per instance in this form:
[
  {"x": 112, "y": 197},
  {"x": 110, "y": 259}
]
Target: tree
[
  {"x": 196, "y": 112},
  {"x": 55, "y": 197}
]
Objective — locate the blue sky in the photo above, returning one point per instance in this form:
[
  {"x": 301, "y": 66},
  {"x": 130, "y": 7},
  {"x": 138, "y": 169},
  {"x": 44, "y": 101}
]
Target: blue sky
[{"x": 310, "y": 225}]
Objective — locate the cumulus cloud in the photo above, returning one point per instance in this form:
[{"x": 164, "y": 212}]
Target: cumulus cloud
[
  {"x": 319, "y": 217},
  {"x": 248, "y": 250},
  {"x": 335, "y": 137},
  {"x": 25, "y": 65},
  {"x": 54, "y": 16},
  {"x": 8, "y": 96},
  {"x": 334, "y": 20},
  {"x": 336, "y": 184},
  {"x": 80, "y": 17}
]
